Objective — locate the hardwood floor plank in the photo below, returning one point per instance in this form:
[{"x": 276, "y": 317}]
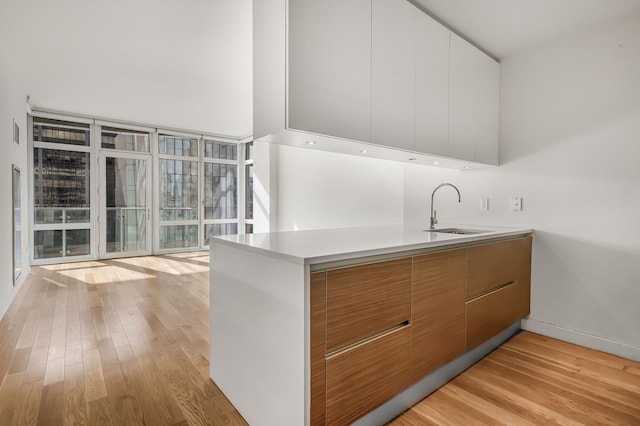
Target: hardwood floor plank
[
  {"x": 10, "y": 393},
  {"x": 411, "y": 418},
  {"x": 187, "y": 398},
  {"x": 505, "y": 400},
  {"x": 51, "y": 405},
  {"x": 444, "y": 409},
  {"x": 93, "y": 377},
  {"x": 29, "y": 329},
  {"x": 54, "y": 372},
  {"x": 121, "y": 404},
  {"x": 75, "y": 402},
  {"x": 37, "y": 365},
  {"x": 20, "y": 361},
  {"x": 28, "y": 407},
  {"x": 99, "y": 412},
  {"x": 485, "y": 406}
]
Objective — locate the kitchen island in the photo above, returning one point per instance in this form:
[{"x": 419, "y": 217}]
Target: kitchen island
[{"x": 355, "y": 325}]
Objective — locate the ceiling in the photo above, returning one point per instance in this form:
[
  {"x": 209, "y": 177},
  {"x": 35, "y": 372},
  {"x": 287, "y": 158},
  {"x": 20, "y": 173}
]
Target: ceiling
[
  {"x": 171, "y": 63},
  {"x": 187, "y": 64},
  {"x": 506, "y": 27}
]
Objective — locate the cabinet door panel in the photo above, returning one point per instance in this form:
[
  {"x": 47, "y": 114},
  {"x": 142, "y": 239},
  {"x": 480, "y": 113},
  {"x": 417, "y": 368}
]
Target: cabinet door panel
[
  {"x": 366, "y": 300},
  {"x": 438, "y": 311},
  {"x": 366, "y": 376},
  {"x": 432, "y": 87},
  {"x": 393, "y": 73},
  {"x": 496, "y": 264},
  {"x": 317, "y": 343},
  {"x": 330, "y": 67},
  {"x": 473, "y": 103},
  {"x": 492, "y": 313}
]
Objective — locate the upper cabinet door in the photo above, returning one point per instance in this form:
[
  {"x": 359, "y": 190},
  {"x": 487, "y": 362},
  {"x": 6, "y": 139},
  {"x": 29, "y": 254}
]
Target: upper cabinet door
[
  {"x": 393, "y": 73},
  {"x": 432, "y": 86},
  {"x": 330, "y": 67},
  {"x": 473, "y": 103}
]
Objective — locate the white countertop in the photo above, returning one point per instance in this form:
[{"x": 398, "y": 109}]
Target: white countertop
[{"x": 329, "y": 245}]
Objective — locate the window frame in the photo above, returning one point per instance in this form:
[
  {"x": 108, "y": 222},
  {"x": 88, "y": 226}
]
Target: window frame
[
  {"x": 63, "y": 226},
  {"x": 95, "y": 150}
]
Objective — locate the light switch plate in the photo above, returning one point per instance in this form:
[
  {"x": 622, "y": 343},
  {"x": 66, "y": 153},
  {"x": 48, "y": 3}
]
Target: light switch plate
[
  {"x": 484, "y": 204},
  {"x": 516, "y": 204}
]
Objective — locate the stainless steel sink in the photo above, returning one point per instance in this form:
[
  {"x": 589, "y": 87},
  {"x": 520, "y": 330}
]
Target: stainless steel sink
[{"x": 458, "y": 231}]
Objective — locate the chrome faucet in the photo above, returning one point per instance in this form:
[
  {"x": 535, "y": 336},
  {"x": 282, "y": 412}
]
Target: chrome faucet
[{"x": 432, "y": 219}]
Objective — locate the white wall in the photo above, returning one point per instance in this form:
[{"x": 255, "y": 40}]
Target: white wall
[
  {"x": 313, "y": 189},
  {"x": 160, "y": 62},
  {"x": 570, "y": 146},
  {"x": 12, "y": 106}
]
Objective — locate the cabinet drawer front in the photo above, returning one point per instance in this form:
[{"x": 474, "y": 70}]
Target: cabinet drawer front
[
  {"x": 437, "y": 312},
  {"x": 493, "y": 265},
  {"x": 366, "y": 376},
  {"x": 365, "y": 300},
  {"x": 492, "y": 313}
]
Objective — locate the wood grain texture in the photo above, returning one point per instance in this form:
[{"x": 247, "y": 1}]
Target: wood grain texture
[
  {"x": 492, "y": 313},
  {"x": 437, "y": 310},
  {"x": 123, "y": 342},
  {"x": 365, "y": 300},
  {"x": 365, "y": 376},
  {"x": 317, "y": 337},
  {"x": 495, "y": 264},
  {"x": 534, "y": 380}
]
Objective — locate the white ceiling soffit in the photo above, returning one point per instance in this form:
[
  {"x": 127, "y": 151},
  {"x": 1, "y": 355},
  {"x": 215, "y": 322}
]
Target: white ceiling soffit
[{"x": 505, "y": 27}]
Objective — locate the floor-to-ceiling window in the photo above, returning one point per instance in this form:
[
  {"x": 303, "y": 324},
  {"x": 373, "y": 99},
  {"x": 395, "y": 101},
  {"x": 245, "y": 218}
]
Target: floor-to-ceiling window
[
  {"x": 178, "y": 181},
  {"x": 220, "y": 189},
  {"x": 109, "y": 189},
  {"x": 125, "y": 192},
  {"x": 61, "y": 190}
]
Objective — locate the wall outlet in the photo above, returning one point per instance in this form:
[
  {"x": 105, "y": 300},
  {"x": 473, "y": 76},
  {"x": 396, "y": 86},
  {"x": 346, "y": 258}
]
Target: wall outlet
[
  {"x": 516, "y": 204},
  {"x": 484, "y": 204}
]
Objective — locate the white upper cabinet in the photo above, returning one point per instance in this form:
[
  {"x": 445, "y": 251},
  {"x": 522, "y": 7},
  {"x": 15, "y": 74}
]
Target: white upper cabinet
[
  {"x": 432, "y": 86},
  {"x": 372, "y": 77},
  {"x": 393, "y": 73},
  {"x": 330, "y": 67},
  {"x": 474, "y": 99}
]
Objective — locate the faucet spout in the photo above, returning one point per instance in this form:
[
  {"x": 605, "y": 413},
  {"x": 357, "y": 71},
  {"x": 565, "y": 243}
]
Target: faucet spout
[{"x": 432, "y": 218}]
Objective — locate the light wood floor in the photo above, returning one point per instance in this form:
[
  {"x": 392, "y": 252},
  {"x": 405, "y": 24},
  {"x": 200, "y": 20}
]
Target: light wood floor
[
  {"x": 535, "y": 380},
  {"x": 127, "y": 342},
  {"x": 112, "y": 342}
]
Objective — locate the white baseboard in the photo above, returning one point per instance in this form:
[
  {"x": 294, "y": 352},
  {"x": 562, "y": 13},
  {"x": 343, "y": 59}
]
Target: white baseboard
[
  {"x": 582, "y": 339},
  {"x": 4, "y": 307}
]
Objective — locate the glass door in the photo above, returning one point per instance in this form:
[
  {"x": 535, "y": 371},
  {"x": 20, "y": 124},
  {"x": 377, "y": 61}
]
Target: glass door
[{"x": 125, "y": 204}]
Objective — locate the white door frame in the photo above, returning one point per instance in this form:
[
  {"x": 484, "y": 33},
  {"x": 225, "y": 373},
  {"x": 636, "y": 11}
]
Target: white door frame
[{"x": 102, "y": 194}]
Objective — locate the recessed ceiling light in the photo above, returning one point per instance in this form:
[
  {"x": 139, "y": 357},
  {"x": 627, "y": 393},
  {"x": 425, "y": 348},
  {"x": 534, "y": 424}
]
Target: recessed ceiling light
[
  {"x": 364, "y": 151},
  {"x": 435, "y": 163},
  {"x": 467, "y": 167},
  {"x": 311, "y": 143},
  {"x": 412, "y": 159}
]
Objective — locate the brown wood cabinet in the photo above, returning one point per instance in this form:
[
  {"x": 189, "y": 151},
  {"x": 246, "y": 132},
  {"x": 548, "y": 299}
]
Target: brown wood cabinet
[
  {"x": 495, "y": 264},
  {"x": 376, "y": 328},
  {"x": 498, "y": 287},
  {"x": 438, "y": 315},
  {"x": 363, "y": 377},
  {"x": 492, "y": 313},
  {"x": 366, "y": 300}
]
